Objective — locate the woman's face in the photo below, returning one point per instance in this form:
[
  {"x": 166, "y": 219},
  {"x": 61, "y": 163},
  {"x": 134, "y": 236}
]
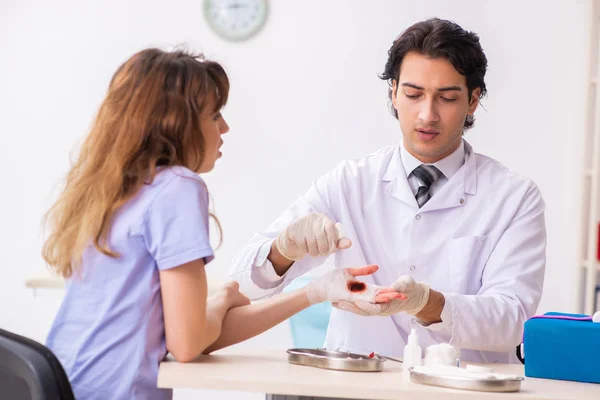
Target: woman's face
[{"x": 212, "y": 125}]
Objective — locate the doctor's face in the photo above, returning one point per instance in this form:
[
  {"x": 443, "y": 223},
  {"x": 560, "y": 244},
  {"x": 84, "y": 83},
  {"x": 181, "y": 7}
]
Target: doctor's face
[{"x": 432, "y": 102}]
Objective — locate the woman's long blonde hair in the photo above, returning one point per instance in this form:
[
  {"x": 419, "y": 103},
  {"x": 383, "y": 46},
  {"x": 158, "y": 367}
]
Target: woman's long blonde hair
[{"x": 149, "y": 118}]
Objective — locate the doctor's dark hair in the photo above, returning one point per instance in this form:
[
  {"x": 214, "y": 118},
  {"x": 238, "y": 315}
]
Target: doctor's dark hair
[{"x": 437, "y": 38}]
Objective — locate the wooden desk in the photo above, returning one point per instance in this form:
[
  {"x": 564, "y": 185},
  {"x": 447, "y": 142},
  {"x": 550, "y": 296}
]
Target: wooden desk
[{"x": 269, "y": 372}]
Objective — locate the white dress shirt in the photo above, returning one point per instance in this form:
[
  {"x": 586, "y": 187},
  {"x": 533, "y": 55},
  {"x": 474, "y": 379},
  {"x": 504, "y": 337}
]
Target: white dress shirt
[
  {"x": 480, "y": 240},
  {"x": 448, "y": 166}
]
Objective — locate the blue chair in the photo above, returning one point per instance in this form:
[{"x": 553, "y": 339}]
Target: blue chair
[{"x": 309, "y": 327}]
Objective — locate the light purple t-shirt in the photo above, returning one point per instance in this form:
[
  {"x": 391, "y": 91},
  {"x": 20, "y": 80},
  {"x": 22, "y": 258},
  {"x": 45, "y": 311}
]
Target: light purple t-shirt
[{"x": 109, "y": 332}]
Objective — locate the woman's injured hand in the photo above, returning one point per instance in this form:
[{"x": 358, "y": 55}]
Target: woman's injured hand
[
  {"x": 416, "y": 297},
  {"x": 341, "y": 285}
]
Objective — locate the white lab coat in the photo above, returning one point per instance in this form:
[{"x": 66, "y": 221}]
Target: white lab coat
[{"x": 480, "y": 240}]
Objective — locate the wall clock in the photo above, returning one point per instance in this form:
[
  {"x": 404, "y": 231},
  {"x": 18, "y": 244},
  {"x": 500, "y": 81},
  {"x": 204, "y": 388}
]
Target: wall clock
[{"x": 236, "y": 20}]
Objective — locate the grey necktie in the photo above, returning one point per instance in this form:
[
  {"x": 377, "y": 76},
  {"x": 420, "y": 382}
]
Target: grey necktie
[{"x": 426, "y": 175}]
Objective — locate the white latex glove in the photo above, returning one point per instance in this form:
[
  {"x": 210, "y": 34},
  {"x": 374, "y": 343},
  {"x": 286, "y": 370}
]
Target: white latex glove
[
  {"x": 417, "y": 295},
  {"x": 338, "y": 285},
  {"x": 313, "y": 234}
]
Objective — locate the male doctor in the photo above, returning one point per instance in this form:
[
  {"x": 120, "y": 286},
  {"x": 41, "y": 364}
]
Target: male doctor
[{"x": 460, "y": 234}]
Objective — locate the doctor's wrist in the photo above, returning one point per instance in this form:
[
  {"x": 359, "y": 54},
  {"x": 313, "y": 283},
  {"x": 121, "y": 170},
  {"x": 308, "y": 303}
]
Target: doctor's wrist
[
  {"x": 280, "y": 263},
  {"x": 432, "y": 312}
]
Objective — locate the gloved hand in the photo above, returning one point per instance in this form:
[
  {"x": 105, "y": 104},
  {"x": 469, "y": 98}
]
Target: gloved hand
[
  {"x": 340, "y": 284},
  {"x": 313, "y": 234},
  {"x": 417, "y": 295}
]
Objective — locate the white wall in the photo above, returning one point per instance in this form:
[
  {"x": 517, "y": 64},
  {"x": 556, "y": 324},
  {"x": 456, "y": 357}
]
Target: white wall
[{"x": 305, "y": 95}]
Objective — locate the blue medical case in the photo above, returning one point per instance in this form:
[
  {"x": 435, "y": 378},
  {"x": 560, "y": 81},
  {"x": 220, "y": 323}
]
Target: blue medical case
[{"x": 562, "y": 349}]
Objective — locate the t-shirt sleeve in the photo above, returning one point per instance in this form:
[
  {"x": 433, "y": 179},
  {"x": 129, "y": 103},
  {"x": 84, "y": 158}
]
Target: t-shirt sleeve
[{"x": 176, "y": 225}]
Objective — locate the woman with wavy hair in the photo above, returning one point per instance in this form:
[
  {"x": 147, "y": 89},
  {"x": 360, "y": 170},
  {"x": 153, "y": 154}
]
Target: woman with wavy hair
[{"x": 129, "y": 232}]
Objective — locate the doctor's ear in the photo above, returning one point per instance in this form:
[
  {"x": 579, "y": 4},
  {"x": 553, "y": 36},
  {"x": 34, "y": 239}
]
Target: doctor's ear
[
  {"x": 394, "y": 94},
  {"x": 474, "y": 100}
]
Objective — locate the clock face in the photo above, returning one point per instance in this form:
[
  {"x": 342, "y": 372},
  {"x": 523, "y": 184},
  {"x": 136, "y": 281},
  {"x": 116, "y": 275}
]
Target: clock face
[{"x": 236, "y": 19}]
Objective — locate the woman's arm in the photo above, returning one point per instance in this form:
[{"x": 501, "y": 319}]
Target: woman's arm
[
  {"x": 189, "y": 328},
  {"x": 190, "y": 323},
  {"x": 245, "y": 322},
  {"x": 242, "y": 323}
]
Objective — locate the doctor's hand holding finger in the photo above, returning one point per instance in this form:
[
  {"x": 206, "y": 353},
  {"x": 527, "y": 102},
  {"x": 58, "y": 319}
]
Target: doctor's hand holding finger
[
  {"x": 341, "y": 285},
  {"x": 417, "y": 297},
  {"x": 314, "y": 235}
]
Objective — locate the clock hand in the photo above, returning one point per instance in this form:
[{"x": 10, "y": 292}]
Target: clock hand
[{"x": 237, "y": 5}]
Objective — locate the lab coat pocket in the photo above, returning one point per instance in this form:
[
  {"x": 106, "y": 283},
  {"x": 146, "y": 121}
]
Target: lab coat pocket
[{"x": 468, "y": 256}]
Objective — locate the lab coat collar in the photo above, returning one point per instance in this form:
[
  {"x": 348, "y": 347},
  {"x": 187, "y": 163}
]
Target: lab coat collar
[
  {"x": 464, "y": 181},
  {"x": 470, "y": 170},
  {"x": 395, "y": 175},
  {"x": 394, "y": 168}
]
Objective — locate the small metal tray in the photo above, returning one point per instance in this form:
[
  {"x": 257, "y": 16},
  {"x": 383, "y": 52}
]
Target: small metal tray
[
  {"x": 466, "y": 383},
  {"x": 336, "y": 360}
]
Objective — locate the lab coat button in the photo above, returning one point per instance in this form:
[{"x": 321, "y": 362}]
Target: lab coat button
[
  {"x": 462, "y": 201},
  {"x": 414, "y": 320},
  {"x": 389, "y": 190},
  {"x": 417, "y": 217},
  {"x": 412, "y": 267}
]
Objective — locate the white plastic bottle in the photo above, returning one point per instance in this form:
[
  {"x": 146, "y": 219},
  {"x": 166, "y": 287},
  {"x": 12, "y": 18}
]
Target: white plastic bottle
[{"x": 412, "y": 351}]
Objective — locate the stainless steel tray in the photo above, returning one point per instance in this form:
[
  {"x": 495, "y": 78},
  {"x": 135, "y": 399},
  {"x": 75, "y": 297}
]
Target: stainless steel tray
[
  {"x": 337, "y": 360},
  {"x": 466, "y": 383}
]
